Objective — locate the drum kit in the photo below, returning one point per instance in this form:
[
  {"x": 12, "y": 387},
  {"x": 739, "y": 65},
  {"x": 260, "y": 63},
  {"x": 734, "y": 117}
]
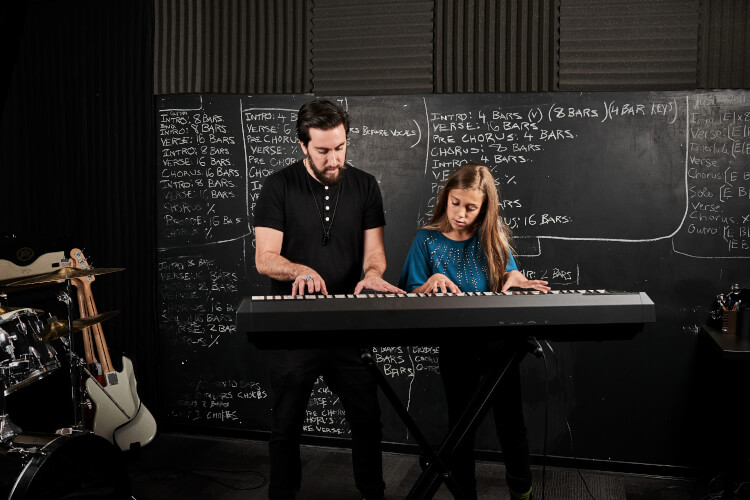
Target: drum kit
[{"x": 69, "y": 463}]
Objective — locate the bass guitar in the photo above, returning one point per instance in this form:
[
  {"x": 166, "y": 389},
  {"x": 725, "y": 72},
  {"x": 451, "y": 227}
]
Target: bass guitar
[
  {"x": 120, "y": 417},
  {"x": 92, "y": 364}
]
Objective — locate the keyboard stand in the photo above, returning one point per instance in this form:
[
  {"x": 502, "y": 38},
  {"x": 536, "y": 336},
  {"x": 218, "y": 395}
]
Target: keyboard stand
[
  {"x": 397, "y": 405},
  {"x": 436, "y": 470}
]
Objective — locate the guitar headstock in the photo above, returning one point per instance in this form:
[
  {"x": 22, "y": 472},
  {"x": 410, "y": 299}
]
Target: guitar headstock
[{"x": 78, "y": 261}]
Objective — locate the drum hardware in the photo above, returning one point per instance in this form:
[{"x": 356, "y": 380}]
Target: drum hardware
[
  {"x": 24, "y": 449},
  {"x": 26, "y": 353},
  {"x": 7, "y": 428},
  {"x": 31, "y": 450},
  {"x": 62, "y": 466},
  {"x": 24, "y": 356},
  {"x": 57, "y": 328},
  {"x": 72, "y": 431},
  {"x": 62, "y": 274},
  {"x": 7, "y": 309}
]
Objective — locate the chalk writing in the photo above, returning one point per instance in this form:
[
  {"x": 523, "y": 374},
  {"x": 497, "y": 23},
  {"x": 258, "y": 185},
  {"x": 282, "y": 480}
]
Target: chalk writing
[
  {"x": 620, "y": 172},
  {"x": 198, "y": 178},
  {"x": 325, "y": 415},
  {"x": 197, "y": 301},
  {"x": 216, "y": 400},
  {"x": 718, "y": 181}
]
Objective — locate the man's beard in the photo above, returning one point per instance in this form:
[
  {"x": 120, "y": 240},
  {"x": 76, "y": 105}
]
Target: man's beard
[{"x": 323, "y": 178}]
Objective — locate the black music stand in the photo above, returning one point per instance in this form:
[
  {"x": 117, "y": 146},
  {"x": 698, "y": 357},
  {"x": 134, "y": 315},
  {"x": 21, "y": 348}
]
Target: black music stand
[{"x": 436, "y": 470}]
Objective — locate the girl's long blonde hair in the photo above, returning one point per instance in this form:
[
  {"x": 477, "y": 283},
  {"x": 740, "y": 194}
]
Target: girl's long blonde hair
[{"x": 494, "y": 234}]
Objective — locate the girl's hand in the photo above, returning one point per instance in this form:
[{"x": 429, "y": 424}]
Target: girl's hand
[
  {"x": 438, "y": 283},
  {"x": 517, "y": 279}
]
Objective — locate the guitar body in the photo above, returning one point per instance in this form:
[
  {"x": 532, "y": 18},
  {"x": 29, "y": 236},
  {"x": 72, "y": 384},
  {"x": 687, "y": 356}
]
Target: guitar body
[
  {"x": 119, "y": 394},
  {"x": 109, "y": 421}
]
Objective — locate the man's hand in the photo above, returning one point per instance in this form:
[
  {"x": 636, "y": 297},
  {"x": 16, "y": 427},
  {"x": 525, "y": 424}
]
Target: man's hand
[
  {"x": 269, "y": 262},
  {"x": 308, "y": 281},
  {"x": 374, "y": 263}
]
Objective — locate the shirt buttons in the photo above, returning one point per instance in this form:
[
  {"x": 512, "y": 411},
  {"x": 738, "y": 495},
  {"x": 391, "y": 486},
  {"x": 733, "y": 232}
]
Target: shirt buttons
[
  {"x": 327, "y": 207},
  {"x": 327, "y": 219}
]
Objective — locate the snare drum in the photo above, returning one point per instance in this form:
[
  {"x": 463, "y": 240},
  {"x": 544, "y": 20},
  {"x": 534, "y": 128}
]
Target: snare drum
[
  {"x": 24, "y": 356},
  {"x": 77, "y": 466}
]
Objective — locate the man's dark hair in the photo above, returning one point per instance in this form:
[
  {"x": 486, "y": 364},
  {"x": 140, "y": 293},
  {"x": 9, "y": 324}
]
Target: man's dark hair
[{"x": 320, "y": 114}]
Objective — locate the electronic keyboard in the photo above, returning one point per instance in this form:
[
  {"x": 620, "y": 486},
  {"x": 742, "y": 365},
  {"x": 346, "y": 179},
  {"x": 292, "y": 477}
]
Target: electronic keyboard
[{"x": 403, "y": 319}]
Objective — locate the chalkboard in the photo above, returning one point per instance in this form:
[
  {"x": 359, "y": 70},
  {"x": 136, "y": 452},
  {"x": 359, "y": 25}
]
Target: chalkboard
[{"x": 638, "y": 191}]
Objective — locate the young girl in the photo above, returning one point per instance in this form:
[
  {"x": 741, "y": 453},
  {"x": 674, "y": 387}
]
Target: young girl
[{"x": 466, "y": 248}]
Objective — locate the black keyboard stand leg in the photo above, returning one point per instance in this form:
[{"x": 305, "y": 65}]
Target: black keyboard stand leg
[
  {"x": 432, "y": 459},
  {"x": 429, "y": 482}
]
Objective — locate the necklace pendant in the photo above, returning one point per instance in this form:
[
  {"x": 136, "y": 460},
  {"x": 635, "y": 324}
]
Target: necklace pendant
[{"x": 325, "y": 239}]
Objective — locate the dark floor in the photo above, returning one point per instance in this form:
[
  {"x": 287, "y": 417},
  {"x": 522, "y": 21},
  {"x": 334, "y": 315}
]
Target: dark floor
[{"x": 178, "y": 466}]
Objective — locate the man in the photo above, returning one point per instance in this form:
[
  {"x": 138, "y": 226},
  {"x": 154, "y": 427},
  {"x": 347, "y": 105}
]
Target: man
[{"x": 318, "y": 227}]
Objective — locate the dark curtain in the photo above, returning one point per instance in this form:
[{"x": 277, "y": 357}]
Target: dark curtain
[{"x": 77, "y": 156}]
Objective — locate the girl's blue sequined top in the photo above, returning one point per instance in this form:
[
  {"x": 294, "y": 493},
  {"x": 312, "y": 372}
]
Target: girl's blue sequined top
[{"x": 463, "y": 262}]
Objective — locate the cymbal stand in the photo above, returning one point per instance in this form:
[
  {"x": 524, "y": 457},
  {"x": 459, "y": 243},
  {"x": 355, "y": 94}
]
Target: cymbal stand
[
  {"x": 7, "y": 428},
  {"x": 75, "y": 374}
]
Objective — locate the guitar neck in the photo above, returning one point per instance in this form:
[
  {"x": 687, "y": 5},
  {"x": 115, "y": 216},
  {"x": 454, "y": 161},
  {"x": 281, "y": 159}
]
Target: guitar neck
[
  {"x": 88, "y": 341},
  {"x": 98, "y": 334},
  {"x": 79, "y": 261}
]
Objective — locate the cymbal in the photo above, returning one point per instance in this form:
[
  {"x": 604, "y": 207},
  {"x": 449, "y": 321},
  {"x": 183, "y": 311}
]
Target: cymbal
[
  {"x": 62, "y": 274},
  {"x": 7, "y": 309},
  {"x": 56, "y": 329}
]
